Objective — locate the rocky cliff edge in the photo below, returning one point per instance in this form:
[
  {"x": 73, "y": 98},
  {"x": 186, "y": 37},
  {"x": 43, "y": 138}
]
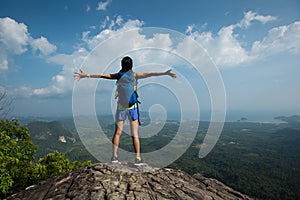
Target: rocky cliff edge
[{"x": 126, "y": 181}]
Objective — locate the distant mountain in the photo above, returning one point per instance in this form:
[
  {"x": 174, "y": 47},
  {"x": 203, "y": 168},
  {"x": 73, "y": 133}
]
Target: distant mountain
[
  {"x": 50, "y": 131},
  {"x": 289, "y": 119},
  {"x": 50, "y": 136},
  {"x": 29, "y": 119},
  {"x": 293, "y": 121}
]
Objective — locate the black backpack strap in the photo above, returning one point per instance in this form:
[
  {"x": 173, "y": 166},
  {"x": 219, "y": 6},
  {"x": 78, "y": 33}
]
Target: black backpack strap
[{"x": 137, "y": 107}]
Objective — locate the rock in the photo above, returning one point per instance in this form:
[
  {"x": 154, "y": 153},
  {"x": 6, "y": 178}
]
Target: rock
[{"x": 126, "y": 181}]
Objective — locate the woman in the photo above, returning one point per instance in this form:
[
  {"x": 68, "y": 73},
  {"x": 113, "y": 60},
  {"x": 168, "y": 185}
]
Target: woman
[{"x": 126, "y": 111}]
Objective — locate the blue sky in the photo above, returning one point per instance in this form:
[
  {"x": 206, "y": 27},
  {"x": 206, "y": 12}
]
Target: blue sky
[{"x": 255, "y": 45}]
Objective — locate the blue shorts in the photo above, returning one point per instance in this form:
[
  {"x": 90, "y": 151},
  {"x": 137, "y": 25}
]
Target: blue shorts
[{"x": 132, "y": 114}]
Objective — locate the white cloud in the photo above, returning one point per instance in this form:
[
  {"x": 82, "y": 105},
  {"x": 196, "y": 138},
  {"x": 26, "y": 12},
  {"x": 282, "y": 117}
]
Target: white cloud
[
  {"x": 224, "y": 48},
  {"x": 253, "y": 16},
  {"x": 194, "y": 27},
  {"x": 14, "y": 36},
  {"x": 227, "y": 50},
  {"x": 16, "y": 40},
  {"x": 49, "y": 91},
  {"x": 279, "y": 39},
  {"x": 110, "y": 28},
  {"x": 42, "y": 45},
  {"x": 190, "y": 29},
  {"x": 88, "y": 8},
  {"x": 59, "y": 78},
  {"x": 13, "y": 40},
  {"x": 103, "y": 5},
  {"x": 112, "y": 24},
  {"x": 22, "y": 91}
]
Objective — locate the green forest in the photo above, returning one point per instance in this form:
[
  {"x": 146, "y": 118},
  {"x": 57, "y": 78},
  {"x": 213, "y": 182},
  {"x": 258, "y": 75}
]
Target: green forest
[
  {"x": 258, "y": 159},
  {"x": 18, "y": 168}
]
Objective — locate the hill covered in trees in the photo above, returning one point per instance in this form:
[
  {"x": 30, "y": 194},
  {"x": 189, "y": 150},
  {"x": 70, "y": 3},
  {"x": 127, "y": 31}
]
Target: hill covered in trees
[
  {"x": 17, "y": 167},
  {"x": 258, "y": 159}
]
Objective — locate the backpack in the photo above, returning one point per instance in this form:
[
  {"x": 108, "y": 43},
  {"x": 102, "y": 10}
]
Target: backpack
[{"x": 126, "y": 89}]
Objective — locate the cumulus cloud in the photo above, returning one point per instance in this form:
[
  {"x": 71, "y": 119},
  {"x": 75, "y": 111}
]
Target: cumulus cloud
[
  {"x": 14, "y": 36},
  {"x": 103, "y": 5},
  {"x": 16, "y": 40},
  {"x": 224, "y": 48},
  {"x": 43, "y": 46},
  {"x": 227, "y": 50},
  {"x": 279, "y": 39}
]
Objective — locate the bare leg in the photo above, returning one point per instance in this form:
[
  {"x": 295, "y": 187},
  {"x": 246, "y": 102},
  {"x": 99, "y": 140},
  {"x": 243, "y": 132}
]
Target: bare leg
[
  {"x": 117, "y": 135},
  {"x": 134, "y": 125}
]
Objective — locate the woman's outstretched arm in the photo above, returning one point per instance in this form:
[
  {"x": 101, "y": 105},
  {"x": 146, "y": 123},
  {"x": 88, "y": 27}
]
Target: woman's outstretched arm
[
  {"x": 81, "y": 74},
  {"x": 141, "y": 75}
]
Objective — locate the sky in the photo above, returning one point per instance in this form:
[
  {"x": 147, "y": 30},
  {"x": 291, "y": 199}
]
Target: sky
[{"x": 252, "y": 47}]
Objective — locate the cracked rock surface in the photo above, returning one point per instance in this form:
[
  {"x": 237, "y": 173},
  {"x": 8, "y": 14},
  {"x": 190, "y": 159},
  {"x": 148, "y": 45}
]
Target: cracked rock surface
[{"x": 126, "y": 181}]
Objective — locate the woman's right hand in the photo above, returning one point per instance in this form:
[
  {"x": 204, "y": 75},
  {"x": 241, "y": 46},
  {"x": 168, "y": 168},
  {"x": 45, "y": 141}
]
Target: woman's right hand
[{"x": 79, "y": 75}]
